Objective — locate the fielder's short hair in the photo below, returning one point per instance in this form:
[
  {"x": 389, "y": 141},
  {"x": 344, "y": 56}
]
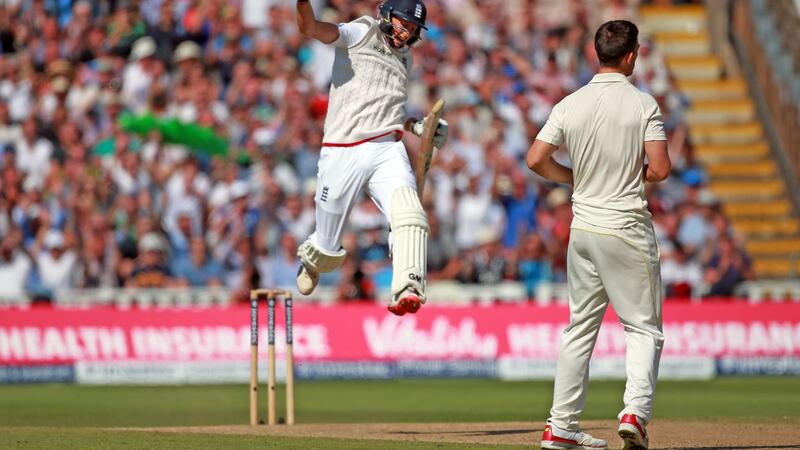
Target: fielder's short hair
[{"x": 615, "y": 39}]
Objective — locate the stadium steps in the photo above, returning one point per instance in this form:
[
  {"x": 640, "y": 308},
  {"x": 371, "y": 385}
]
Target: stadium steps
[
  {"x": 695, "y": 67},
  {"x": 728, "y": 139},
  {"x": 758, "y": 210},
  {"x": 734, "y": 110},
  {"x": 698, "y": 90},
  {"x": 727, "y": 134},
  {"x": 776, "y": 267},
  {"x": 771, "y": 189},
  {"x": 683, "y": 44},
  {"x": 708, "y": 153},
  {"x": 769, "y": 227},
  {"x": 686, "y": 19},
  {"x": 765, "y": 168},
  {"x": 773, "y": 247}
]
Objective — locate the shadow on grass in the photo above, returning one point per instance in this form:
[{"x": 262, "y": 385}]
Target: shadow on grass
[
  {"x": 739, "y": 447},
  {"x": 469, "y": 432}
]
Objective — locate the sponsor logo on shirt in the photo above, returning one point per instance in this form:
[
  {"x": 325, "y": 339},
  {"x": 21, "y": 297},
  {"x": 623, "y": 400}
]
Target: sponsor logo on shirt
[
  {"x": 382, "y": 50},
  {"x": 388, "y": 53}
]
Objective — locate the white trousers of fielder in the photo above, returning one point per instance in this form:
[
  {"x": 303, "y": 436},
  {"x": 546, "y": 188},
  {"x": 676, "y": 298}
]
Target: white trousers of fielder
[{"x": 620, "y": 265}]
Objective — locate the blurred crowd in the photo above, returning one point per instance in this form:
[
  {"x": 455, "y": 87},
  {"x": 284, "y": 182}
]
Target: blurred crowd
[{"x": 85, "y": 204}]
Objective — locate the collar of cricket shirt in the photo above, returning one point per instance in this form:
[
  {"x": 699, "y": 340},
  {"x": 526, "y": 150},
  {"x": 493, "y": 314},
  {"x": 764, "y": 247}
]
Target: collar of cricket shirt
[{"x": 609, "y": 77}]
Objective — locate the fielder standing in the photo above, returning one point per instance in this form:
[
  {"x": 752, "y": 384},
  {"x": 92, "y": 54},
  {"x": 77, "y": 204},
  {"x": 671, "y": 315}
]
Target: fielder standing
[
  {"x": 361, "y": 147},
  {"x": 608, "y": 127}
]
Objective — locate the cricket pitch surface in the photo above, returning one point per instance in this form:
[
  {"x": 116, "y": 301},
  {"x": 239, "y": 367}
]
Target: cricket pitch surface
[{"x": 664, "y": 434}]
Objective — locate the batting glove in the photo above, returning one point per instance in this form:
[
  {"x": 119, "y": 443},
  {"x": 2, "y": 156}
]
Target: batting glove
[{"x": 439, "y": 137}]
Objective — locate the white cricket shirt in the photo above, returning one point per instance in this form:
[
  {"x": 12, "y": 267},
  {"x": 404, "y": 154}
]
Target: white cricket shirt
[
  {"x": 369, "y": 85},
  {"x": 604, "y": 125}
]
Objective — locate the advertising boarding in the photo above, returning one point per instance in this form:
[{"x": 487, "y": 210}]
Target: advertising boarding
[{"x": 515, "y": 342}]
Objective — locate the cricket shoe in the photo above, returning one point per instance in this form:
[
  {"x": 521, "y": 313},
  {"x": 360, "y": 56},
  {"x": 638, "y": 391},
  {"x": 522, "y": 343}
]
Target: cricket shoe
[
  {"x": 307, "y": 280},
  {"x": 557, "y": 439},
  {"x": 407, "y": 301},
  {"x": 631, "y": 430}
]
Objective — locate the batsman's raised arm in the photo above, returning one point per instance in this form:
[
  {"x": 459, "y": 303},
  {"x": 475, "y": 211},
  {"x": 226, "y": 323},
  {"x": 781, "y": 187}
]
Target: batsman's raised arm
[{"x": 308, "y": 24}]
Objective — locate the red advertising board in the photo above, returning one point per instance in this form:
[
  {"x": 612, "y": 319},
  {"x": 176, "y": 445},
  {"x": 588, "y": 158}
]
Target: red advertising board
[{"x": 369, "y": 332}]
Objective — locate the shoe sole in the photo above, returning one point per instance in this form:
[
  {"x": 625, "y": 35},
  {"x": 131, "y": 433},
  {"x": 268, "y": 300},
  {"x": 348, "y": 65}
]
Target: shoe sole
[
  {"x": 305, "y": 283},
  {"x": 555, "y": 445},
  {"x": 632, "y": 440},
  {"x": 405, "y": 305}
]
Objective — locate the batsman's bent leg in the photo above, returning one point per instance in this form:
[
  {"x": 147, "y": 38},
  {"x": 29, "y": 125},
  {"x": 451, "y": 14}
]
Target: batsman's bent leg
[
  {"x": 340, "y": 178},
  {"x": 314, "y": 260}
]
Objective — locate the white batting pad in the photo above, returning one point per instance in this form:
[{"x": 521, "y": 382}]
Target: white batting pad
[
  {"x": 319, "y": 260},
  {"x": 410, "y": 235}
]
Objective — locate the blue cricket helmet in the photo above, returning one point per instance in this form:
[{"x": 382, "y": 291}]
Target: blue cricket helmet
[{"x": 413, "y": 11}]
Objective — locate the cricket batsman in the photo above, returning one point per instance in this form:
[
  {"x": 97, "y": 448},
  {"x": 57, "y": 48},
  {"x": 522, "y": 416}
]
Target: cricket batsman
[{"x": 362, "y": 147}]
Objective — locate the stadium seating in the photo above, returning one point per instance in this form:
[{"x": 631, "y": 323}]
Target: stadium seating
[{"x": 729, "y": 140}]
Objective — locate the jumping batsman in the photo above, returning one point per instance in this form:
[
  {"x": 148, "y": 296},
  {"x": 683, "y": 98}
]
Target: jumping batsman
[
  {"x": 608, "y": 127},
  {"x": 361, "y": 147}
]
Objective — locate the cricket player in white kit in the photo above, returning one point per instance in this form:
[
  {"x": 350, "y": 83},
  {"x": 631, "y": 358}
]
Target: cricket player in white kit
[
  {"x": 361, "y": 147},
  {"x": 608, "y": 127}
]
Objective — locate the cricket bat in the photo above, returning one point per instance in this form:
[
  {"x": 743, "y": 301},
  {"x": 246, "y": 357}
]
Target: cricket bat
[{"x": 426, "y": 148}]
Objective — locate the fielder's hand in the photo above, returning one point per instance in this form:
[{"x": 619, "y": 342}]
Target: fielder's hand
[{"x": 439, "y": 137}]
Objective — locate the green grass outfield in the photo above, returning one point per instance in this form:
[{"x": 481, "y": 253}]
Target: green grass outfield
[{"x": 68, "y": 416}]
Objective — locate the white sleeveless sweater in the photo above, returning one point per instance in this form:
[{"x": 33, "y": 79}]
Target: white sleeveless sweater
[{"x": 369, "y": 87}]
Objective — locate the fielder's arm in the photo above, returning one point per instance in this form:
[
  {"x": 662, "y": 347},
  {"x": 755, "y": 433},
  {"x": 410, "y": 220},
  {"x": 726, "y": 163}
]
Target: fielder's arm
[
  {"x": 540, "y": 160},
  {"x": 658, "y": 163},
  {"x": 308, "y": 24}
]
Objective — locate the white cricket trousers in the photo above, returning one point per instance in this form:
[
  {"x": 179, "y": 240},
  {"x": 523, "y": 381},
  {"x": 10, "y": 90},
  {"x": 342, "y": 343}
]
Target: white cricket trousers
[
  {"x": 378, "y": 167},
  {"x": 621, "y": 265}
]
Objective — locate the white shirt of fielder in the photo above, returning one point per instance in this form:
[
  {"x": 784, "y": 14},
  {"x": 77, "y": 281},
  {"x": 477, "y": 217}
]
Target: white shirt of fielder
[{"x": 609, "y": 191}]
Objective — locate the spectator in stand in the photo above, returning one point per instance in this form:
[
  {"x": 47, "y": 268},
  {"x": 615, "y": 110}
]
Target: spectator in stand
[
  {"x": 98, "y": 256},
  {"x": 198, "y": 269},
  {"x": 555, "y": 218},
  {"x": 679, "y": 273},
  {"x": 520, "y": 206},
  {"x": 15, "y": 267},
  {"x": 182, "y": 231},
  {"x": 355, "y": 285},
  {"x": 374, "y": 256},
  {"x": 727, "y": 267},
  {"x": 443, "y": 257},
  {"x": 33, "y": 153},
  {"x": 10, "y": 132},
  {"x": 151, "y": 269},
  {"x": 240, "y": 270},
  {"x": 477, "y": 210},
  {"x": 138, "y": 76},
  {"x": 56, "y": 262},
  {"x": 485, "y": 263},
  {"x": 295, "y": 219},
  {"x": 533, "y": 265},
  {"x": 280, "y": 268}
]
